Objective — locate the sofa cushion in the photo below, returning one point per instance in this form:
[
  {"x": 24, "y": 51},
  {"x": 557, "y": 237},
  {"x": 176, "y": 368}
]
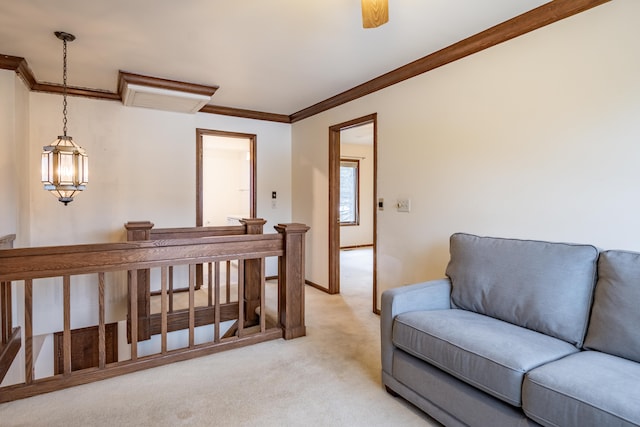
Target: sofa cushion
[
  {"x": 487, "y": 353},
  {"x": 542, "y": 286},
  {"x": 570, "y": 391},
  {"x": 615, "y": 319}
]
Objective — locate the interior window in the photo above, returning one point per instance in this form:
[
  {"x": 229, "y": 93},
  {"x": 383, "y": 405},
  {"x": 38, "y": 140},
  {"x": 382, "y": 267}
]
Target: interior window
[{"x": 349, "y": 197}]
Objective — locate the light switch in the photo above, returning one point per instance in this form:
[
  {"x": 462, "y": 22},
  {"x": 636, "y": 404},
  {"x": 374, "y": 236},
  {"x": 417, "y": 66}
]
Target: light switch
[{"x": 404, "y": 205}]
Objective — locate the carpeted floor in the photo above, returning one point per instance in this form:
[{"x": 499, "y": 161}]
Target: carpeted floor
[{"x": 331, "y": 377}]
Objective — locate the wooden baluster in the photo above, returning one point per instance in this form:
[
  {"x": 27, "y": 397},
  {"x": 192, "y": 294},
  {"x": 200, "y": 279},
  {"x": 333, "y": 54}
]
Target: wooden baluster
[
  {"x": 28, "y": 331},
  {"x": 164, "y": 272},
  {"x": 240, "y": 298},
  {"x": 263, "y": 311},
  {"x": 5, "y": 311},
  {"x": 171, "y": 289},
  {"x": 209, "y": 284},
  {"x": 133, "y": 306},
  {"x": 228, "y": 281},
  {"x": 216, "y": 333},
  {"x": 192, "y": 308},
  {"x": 102, "y": 353},
  {"x": 291, "y": 280},
  {"x": 66, "y": 332}
]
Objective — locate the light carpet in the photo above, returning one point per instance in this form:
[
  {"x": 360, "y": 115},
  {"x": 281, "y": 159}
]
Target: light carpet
[{"x": 331, "y": 377}]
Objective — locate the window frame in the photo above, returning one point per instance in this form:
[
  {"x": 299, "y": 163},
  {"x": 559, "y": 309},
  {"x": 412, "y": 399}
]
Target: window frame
[{"x": 356, "y": 166}]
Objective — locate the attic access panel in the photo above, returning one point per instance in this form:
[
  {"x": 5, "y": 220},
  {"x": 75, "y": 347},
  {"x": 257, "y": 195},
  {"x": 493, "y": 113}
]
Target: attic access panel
[{"x": 163, "y": 94}]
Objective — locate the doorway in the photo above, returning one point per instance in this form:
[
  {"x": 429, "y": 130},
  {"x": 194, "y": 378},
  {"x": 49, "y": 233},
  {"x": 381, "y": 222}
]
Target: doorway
[
  {"x": 366, "y": 129},
  {"x": 225, "y": 177}
]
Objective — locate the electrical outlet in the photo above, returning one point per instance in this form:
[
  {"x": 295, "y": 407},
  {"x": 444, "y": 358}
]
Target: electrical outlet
[{"x": 404, "y": 205}]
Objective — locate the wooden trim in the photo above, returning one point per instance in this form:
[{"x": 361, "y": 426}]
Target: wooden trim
[
  {"x": 160, "y": 83},
  {"x": 334, "y": 210},
  {"x": 334, "y": 229},
  {"x": 375, "y": 214},
  {"x": 51, "y": 261},
  {"x": 76, "y": 91},
  {"x": 529, "y": 21},
  {"x": 179, "y": 319},
  {"x": 334, "y": 195},
  {"x": 247, "y": 114},
  {"x": 21, "y": 67},
  {"x": 318, "y": 287},
  {"x": 9, "y": 351},
  {"x": 8, "y": 62},
  {"x": 6, "y": 242},
  {"x": 370, "y": 245}
]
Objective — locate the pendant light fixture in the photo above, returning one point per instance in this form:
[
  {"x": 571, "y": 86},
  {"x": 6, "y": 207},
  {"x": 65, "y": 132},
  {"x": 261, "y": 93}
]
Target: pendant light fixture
[
  {"x": 374, "y": 13},
  {"x": 65, "y": 165}
]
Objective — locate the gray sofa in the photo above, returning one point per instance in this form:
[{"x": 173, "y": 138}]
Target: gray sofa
[{"x": 520, "y": 333}]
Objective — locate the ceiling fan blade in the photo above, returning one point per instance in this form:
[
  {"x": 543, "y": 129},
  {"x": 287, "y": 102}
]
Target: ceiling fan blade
[{"x": 374, "y": 13}]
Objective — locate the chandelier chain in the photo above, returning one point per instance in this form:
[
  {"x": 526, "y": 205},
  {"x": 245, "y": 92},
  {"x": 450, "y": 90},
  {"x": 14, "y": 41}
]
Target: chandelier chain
[{"x": 64, "y": 84}]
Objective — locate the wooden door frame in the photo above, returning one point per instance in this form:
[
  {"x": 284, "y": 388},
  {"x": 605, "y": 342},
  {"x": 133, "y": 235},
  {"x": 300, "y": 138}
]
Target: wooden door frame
[
  {"x": 334, "y": 203},
  {"x": 200, "y": 133}
]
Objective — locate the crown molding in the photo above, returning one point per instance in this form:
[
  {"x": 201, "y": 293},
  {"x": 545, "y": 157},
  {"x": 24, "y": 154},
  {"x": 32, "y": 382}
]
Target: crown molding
[
  {"x": 249, "y": 114},
  {"x": 539, "y": 17},
  {"x": 160, "y": 83}
]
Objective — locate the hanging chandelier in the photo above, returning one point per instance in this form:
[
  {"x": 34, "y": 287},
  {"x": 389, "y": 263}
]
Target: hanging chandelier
[
  {"x": 374, "y": 13},
  {"x": 65, "y": 165}
]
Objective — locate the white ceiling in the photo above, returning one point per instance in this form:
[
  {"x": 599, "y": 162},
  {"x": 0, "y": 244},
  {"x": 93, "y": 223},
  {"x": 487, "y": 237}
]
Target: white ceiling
[{"x": 276, "y": 56}]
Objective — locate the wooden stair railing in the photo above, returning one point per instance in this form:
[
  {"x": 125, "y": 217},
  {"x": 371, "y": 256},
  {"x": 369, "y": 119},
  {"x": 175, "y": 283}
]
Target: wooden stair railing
[
  {"x": 10, "y": 337},
  {"x": 143, "y": 230},
  {"x": 98, "y": 265}
]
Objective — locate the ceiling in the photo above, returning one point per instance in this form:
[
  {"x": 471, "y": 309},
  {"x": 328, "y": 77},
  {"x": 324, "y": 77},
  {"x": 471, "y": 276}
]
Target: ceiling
[{"x": 276, "y": 56}]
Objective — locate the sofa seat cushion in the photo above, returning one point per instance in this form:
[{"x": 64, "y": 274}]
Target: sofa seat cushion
[
  {"x": 615, "y": 316},
  {"x": 543, "y": 286},
  {"x": 584, "y": 389},
  {"x": 487, "y": 353}
]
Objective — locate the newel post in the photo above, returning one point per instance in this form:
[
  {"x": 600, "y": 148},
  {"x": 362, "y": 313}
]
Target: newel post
[
  {"x": 252, "y": 274},
  {"x": 291, "y": 280},
  {"x": 141, "y": 230}
]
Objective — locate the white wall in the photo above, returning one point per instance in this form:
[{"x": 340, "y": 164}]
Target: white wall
[
  {"x": 14, "y": 104},
  {"x": 361, "y": 234},
  {"x": 142, "y": 167},
  {"x": 534, "y": 138}
]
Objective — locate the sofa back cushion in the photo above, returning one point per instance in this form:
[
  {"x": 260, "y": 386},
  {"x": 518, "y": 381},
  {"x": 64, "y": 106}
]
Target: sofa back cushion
[
  {"x": 615, "y": 318},
  {"x": 543, "y": 286}
]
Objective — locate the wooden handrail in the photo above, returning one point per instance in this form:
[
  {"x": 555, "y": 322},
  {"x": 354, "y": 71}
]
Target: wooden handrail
[
  {"x": 52, "y": 261},
  {"x": 22, "y": 266}
]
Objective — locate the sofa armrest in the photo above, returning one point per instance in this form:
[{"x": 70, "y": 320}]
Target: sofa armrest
[{"x": 431, "y": 295}]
